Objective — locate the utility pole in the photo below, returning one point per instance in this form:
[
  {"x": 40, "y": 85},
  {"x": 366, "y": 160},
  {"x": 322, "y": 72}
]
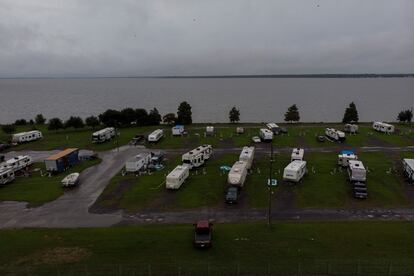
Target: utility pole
[{"x": 269, "y": 211}]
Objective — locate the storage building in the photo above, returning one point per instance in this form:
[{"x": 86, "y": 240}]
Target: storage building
[{"x": 63, "y": 160}]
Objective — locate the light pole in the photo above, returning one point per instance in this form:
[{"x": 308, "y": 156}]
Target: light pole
[{"x": 269, "y": 211}]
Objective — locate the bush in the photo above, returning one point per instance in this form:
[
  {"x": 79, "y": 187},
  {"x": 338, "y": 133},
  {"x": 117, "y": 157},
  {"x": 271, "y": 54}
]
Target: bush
[
  {"x": 55, "y": 124},
  {"x": 75, "y": 122},
  {"x": 9, "y": 129}
]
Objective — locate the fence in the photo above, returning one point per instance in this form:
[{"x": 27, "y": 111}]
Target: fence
[{"x": 319, "y": 267}]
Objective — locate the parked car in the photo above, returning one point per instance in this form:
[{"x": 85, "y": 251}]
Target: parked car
[
  {"x": 320, "y": 138},
  {"x": 256, "y": 139},
  {"x": 232, "y": 195},
  {"x": 202, "y": 234},
  {"x": 157, "y": 157}
]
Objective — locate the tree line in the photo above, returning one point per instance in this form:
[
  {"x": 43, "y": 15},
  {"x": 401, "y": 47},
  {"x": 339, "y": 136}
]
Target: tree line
[{"x": 141, "y": 117}]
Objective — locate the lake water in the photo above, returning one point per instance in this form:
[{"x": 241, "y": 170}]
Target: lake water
[{"x": 259, "y": 99}]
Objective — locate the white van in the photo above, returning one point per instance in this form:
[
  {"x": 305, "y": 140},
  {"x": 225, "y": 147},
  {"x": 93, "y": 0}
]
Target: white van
[
  {"x": 295, "y": 171},
  {"x": 176, "y": 177},
  {"x": 156, "y": 135}
]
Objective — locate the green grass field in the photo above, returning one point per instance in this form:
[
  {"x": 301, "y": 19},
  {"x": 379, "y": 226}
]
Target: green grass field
[
  {"x": 298, "y": 135},
  {"x": 325, "y": 186},
  {"x": 37, "y": 190},
  {"x": 288, "y": 248}
]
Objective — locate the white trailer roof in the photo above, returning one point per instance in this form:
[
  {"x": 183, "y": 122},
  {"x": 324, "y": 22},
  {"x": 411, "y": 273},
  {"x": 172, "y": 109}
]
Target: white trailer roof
[
  {"x": 156, "y": 132},
  {"x": 356, "y": 164},
  {"x": 26, "y": 133},
  {"x": 99, "y": 132},
  {"x": 246, "y": 153},
  {"x": 295, "y": 165},
  {"x": 297, "y": 152},
  {"x": 177, "y": 172},
  {"x": 265, "y": 130},
  {"x": 409, "y": 162},
  {"x": 272, "y": 125},
  {"x": 138, "y": 157}
]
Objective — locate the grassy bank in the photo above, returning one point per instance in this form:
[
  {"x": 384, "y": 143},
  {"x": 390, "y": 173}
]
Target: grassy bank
[
  {"x": 37, "y": 189},
  {"x": 303, "y": 135},
  {"x": 375, "y": 248},
  {"x": 325, "y": 186}
]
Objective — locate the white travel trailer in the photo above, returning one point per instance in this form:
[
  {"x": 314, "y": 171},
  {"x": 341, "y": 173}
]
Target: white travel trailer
[
  {"x": 197, "y": 156},
  {"x": 266, "y": 135},
  {"x": 295, "y": 171},
  {"x": 408, "y": 165},
  {"x": 247, "y": 155},
  {"x": 156, "y": 135},
  {"x": 351, "y": 128},
  {"x": 6, "y": 176},
  {"x": 335, "y": 135},
  {"x": 383, "y": 127},
  {"x": 103, "y": 135},
  {"x": 17, "y": 163},
  {"x": 24, "y": 137},
  {"x": 356, "y": 171},
  {"x": 176, "y": 177},
  {"x": 273, "y": 127},
  {"x": 237, "y": 174},
  {"x": 138, "y": 162},
  {"x": 345, "y": 156},
  {"x": 177, "y": 130},
  {"x": 297, "y": 154},
  {"x": 209, "y": 130}
]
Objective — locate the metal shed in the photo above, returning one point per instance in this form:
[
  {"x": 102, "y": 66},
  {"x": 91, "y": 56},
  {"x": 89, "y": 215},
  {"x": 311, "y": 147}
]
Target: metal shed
[{"x": 61, "y": 161}]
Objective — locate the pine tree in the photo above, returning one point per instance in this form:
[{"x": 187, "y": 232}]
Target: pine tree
[
  {"x": 184, "y": 114},
  {"x": 292, "y": 114},
  {"x": 351, "y": 114},
  {"x": 234, "y": 115}
]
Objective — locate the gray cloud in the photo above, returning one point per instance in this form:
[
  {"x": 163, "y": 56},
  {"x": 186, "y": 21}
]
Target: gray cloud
[{"x": 172, "y": 37}]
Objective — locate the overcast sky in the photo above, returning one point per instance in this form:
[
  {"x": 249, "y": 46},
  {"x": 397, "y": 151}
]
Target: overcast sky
[{"x": 196, "y": 37}]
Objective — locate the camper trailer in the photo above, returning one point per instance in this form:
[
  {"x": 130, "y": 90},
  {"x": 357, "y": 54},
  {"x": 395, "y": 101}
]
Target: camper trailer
[
  {"x": 237, "y": 174},
  {"x": 351, "y": 128},
  {"x": 266, "y": 135},
  {"x": 239, "y": 130},
  {"x": 408, "y": 165},
  {"x": 17, "y": 163},
  {"x": 138, "y": 162},
  {"x": 295, "y": 171},
  {"x": 6, "y": 175},
  {"x": 273, "y": 128},
  {"x": 210, "y": 131},
  {"x": 335, "y": 135},
  {"x": 103, "y": 135},
  {"x": 345, "y": 156},
  {"x": 177, "y": 177},
  {"x": 24, "y": 137},
  {"x": 356, "y": 171},
  {"x": 383, "y": 127},
  {"x": 177, "y": 130},
  {"x": 297, "y": 154},
  {"x": 197, "y": 156},
  {"x": 247, "y": 155},
  {"x": 156, "y": 135}
]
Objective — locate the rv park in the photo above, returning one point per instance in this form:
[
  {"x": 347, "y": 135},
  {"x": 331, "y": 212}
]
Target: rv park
[{"x": 140, "y": 189}]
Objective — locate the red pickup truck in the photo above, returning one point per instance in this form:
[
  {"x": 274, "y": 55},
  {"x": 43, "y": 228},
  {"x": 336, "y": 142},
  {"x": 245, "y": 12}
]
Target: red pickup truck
[{"x": 202, "y": 235}]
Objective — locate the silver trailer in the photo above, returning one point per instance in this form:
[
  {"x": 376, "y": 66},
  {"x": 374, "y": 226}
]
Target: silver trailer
[
  {"x": 295, "y": 171},
  {"x": 336, "y": 135},
  {"x": 103, "y": 135},
  {"x": 197, "y": 156},
  {"x": 6, "y": 176},
  {"x": 237, "y": 174},
  {"x": 297, "y": 154},
  {"x": 17, "y": 163},
  {"x": 247, "y": 155},
  {"x": 408, "y": 166},
  {"x": 138, "y": 162},
  {"x": 24, "y": 137},
  {"x": 177, "y": 177},
  {"x": 383, "y": 127},
  {"x": 156, "y": 135},
  {"x": 266, "y": 135},
  {"x": 351, "y": 128}
]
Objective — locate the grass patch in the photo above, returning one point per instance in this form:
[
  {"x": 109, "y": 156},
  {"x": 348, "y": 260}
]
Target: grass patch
[
  {"x": 204, "y": 188},
  {"x": 346, "y": 248},
  {"x": 37, "y": 190}
]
